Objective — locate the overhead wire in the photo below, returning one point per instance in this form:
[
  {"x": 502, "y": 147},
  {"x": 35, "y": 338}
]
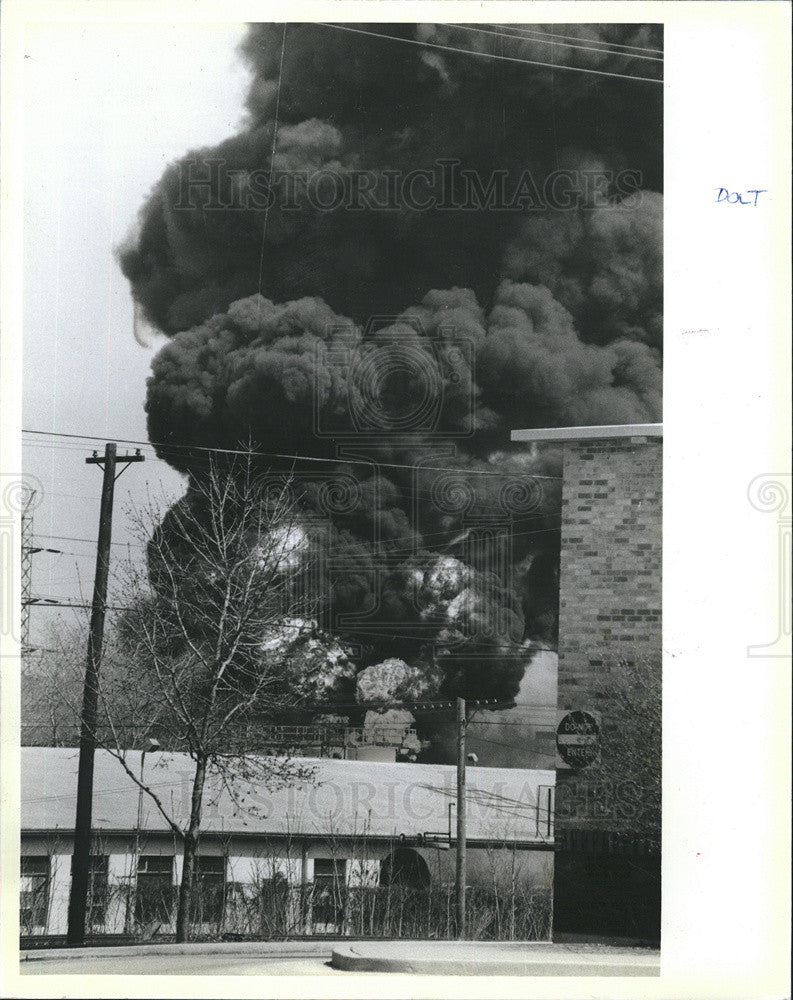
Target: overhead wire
[
  {"x": 293, "y": 457},
  {"x": 482, "y": 795},
  {"x": 488, "y": 55},
  {"x": 383, "y": 544},
  {"x": 425, "y": 706},
  {"x": 89, "y": 541},
  {"x": 551, "y": 41},
  {"x": 525, "y": 29},
  {"x": 357, "y": 631}
]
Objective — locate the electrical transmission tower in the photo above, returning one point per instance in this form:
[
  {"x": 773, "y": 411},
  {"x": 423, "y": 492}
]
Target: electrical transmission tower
[{"x": 27, "y": 566}]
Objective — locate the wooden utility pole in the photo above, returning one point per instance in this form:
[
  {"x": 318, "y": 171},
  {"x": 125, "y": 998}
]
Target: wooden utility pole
[
  {"x": 460, "y": 867},
  {"x": 78, "y": 898}
]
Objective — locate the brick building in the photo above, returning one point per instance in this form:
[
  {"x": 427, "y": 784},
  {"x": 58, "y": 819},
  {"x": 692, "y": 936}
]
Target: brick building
[{"x": 607, "y": 877}]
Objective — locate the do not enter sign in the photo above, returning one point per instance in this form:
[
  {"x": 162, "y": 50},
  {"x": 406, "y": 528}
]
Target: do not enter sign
[{"x": 578, "y": 738}]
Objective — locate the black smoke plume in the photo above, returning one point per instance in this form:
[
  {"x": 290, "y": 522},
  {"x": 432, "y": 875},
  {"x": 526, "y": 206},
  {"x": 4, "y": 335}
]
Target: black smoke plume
[{"x": 407, "y": 251}]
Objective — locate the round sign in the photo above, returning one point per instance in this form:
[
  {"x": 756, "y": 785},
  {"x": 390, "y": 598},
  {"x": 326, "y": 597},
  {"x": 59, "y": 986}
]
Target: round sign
[{"x": 578, "y": 739}]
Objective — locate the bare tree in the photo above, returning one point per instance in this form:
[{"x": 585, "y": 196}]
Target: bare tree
[
  {"x": 220, "y": 572},
  {"x": 631, "y": 752},
  {"x": 50, "y": 687},
  {"x": 52, "y": 680}
]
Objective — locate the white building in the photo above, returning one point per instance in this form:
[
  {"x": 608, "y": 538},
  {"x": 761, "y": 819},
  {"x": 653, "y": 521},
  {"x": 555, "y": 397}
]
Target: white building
[{"x": 320, "y": 858}]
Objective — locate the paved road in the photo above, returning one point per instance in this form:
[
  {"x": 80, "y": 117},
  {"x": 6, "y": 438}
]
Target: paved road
[
  {"x": 495, "y": 958},
  {"x": 350, "y": 957},
  {"x": 314, "y": 963}
]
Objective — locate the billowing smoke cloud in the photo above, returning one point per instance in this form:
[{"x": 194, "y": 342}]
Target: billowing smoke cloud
[
  {"x": 350, "y": 105},
  {"x": 604, "y": 265},
  {"x": 408, "y": 251}
]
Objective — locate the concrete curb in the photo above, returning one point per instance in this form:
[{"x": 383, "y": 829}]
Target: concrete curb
[
  {"x": 462, "y": 958},
  {"x": 468, "y": 958},
  {"x": 263, "y": 948}
]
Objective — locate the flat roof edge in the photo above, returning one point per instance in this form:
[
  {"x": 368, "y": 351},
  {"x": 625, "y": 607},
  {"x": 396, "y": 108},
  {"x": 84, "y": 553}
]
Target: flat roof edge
[
  {"x": 540, "y": 841},
  {"x": 602, "y": 431}
]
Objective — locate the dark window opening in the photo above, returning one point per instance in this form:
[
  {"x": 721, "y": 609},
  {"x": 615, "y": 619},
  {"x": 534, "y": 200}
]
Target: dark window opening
[
  {"x": 34, "y": 893},
  {"x": 209, "y": 889},
  {"x": 330, "y": 891},
  {"x": 154, "y": 896}
]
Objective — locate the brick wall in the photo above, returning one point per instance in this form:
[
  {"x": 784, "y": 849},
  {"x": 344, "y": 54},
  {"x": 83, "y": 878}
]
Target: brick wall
[{"x": 610, "y": 597}]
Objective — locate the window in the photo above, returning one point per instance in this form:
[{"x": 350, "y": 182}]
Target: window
[
  {"x": 34, "y": 893},
  {"x": 329, "y": 893},
  {"x": 96, "y": 907},
  {"x": 155, "y": 892},
  {"x": 210, "y": 880}
]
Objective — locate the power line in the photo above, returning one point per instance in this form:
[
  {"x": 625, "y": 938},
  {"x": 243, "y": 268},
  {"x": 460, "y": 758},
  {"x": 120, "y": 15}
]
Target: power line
[
  {"x": 382, "y": 543},
  {"x": 272, "y": 157},
  {"x": 407, "y": 550},
  {"x": 474, "y": 737},
  {"x": 296, "y": 458},
  {"x": 566, "y": 45},
  {"x": 382, "y": 546},
  {"x": 525, "y": 30},
  {"x": 62, "y": 446},
  {"x": 118, "y": 790},
  {"x": 346, "y": 632},
  {"x": 68, "y": 552},
  {"x": 88, "y": 541},
  {"x": 49, "y": 602},
  {"x": 351, "y": 632},
  {"x": 421, "y": 493},
  {"x": 488, "y": 705},
  {"x": 474, "y": 795},
  {"x": 488, "y": 55},
  {"x": 68, "y": 496}
]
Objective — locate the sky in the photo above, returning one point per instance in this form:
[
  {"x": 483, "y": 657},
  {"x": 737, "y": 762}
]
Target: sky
[{"x": 95, "y": 143}]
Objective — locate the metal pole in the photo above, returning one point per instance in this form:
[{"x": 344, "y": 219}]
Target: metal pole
[
  {"x": 460, "y": 868},
  {"x": 136, "y": 861},
  {"x": 140, "y": 803},
  {"x": 304, "y": 904}
]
